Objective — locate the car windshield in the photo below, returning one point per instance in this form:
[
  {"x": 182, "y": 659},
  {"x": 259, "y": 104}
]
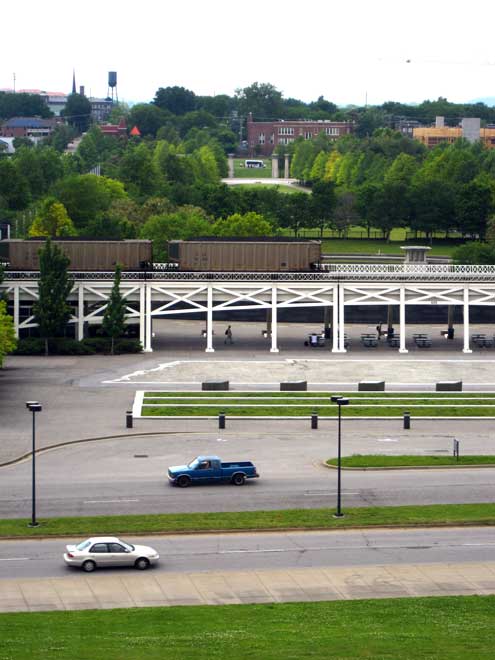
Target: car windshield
[
  {"x": 83, "y": 545},
  {"x": 193, "y": 464},
  {"x": 128, "y": 546}
]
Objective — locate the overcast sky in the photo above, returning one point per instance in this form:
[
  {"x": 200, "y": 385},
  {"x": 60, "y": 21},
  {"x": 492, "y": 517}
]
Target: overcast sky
[{"x": 346, "y": 51}]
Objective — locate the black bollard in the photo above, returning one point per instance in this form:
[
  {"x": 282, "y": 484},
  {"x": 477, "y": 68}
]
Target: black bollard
[
  {"x": 407, "y": 420},
  {"x": 314, "y": 420},
  {"x": 221, "y": 420},
  {"x": 128, "y": 419}
]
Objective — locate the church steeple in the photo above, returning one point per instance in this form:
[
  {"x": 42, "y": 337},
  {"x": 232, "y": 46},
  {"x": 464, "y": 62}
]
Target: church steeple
[{"x": 73, "y": 81}]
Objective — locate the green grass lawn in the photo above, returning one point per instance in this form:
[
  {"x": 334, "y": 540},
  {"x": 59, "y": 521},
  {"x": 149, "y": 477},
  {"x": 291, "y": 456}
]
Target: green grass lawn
[
  {"x": 350, "y": 246},
  {"x": 435, "y": 514},
  {"x": 453, "y": 628},
  {"x": 381, "y": 460},
  {"x": 284, "y": 189},
  {"x": 241, "y": 172},
  {"x": 303, "y": 404}
]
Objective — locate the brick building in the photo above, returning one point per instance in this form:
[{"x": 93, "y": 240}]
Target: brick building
[
  {"x": 264, "y": 136},
  {"x": 31, "y": 127}
]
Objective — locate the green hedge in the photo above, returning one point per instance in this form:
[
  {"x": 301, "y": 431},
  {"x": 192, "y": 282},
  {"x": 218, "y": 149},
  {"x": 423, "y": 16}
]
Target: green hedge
[{"x": 65, "y": 346}]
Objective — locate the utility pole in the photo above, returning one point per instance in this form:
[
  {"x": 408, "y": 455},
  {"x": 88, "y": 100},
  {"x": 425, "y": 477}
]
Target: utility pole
[{"x": 13, "y": 76}]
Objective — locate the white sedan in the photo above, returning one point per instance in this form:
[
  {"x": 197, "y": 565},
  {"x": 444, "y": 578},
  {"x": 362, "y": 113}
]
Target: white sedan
[{"x": 101, "y": 551}]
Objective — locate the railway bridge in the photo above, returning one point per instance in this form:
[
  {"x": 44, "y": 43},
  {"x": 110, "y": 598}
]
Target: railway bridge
[{"x": 162, "y": 292}]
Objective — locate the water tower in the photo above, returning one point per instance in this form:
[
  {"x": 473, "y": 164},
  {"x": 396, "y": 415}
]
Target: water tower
[{"x": 112, "y": 85}]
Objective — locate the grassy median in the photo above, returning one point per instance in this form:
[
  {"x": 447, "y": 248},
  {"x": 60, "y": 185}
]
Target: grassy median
[
  {"x": 303, "y": 404},
  {"x": 435, "y": 514},
  {"x": 385, "y": 461},
  {"x": 442, "y": 627}
]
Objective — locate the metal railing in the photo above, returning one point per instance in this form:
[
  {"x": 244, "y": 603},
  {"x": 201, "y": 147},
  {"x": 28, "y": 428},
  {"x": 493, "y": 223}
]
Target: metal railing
[{"x": 326, "y": 272}]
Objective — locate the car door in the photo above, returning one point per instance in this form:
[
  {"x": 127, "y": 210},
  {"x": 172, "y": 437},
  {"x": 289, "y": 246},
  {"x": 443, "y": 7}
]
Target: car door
[
  {"x": 99, "y": 553},
  {"x": 119, "y": 555},
  {"x": 204, "y": 471}
]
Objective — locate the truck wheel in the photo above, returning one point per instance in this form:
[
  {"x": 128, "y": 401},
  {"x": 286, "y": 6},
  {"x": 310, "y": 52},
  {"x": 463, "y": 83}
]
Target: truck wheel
[
  {"x": 238, "y": 479},
  {"x": 183, "y": 481}
]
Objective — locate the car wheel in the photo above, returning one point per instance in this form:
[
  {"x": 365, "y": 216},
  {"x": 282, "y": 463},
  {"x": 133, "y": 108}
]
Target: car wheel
[
  {"x": 89, "y": 566},
  {"x": 238, "y": 479},
  {"x": 142, "y": 563},
  {"x": 183, "y": 481}
]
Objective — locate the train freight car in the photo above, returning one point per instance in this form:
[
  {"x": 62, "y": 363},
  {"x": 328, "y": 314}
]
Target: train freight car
[
  {"x": 246, "y": 255},
  {"x": 84, "y": 255}
]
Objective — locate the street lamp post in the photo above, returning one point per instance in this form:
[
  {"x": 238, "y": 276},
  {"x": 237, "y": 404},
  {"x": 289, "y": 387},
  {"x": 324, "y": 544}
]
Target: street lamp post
[
  {"x": 34, "y": 407},
  {"x": 340, "y": 401}
]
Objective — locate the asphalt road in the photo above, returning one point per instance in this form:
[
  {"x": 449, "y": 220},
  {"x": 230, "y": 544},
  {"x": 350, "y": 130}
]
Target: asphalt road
[
  {"x": 225, "y": 552},
  {"x": 128, "y": 475}
]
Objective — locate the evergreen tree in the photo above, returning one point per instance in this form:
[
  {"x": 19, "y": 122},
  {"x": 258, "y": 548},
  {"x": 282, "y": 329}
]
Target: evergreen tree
[
  {"x": 114, "y": 317},
  {"x": 51, "y": 310}
]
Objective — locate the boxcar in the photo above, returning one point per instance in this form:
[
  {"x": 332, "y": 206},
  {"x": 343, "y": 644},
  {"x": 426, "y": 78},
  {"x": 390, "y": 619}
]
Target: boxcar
[
  {"x": 270, "y": 255},
  {"x": 84, "y": 255}
]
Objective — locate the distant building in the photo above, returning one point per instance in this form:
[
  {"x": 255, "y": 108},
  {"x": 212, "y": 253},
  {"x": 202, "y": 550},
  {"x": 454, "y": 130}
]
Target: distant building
[
  {"x": 469, "y": 129},
  {"x": 100, "y": 108},
  {"x": 264, "y": 136},
  {"x": 117, "y": 130},
  {"x": 7, "y": 145},
  {"x": 56, "y": 101},
  {"x": 406, "y": 126},
  {"x": 31, "y": 127}
]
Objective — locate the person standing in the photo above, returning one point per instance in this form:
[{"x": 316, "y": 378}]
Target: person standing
[{"x": 228, "y": 335}]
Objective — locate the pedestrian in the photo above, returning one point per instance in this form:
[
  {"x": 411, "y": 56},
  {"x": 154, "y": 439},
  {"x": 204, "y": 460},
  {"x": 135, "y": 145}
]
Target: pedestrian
[
  {"x": 228, "y": 335},
  {"x": 379, "y": 330}
]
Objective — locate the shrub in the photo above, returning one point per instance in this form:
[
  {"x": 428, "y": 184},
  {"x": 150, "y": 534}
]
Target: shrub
[
  {"x": 65, "y": 346},
  {"x": 128, "y": 346},
  {"x": 30, "y": 346}
]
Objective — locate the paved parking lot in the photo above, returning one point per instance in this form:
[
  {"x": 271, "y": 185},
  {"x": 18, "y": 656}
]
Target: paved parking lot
[{"x": 86, "y": 397}]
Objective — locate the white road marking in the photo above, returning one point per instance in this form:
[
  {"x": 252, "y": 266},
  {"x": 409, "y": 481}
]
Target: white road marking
[
  {"x": 108, "y": 501},
  {"x": 14, "y": 559},
  {"x": 433, "y": 546},
  {"x": 315, "y": 494}
]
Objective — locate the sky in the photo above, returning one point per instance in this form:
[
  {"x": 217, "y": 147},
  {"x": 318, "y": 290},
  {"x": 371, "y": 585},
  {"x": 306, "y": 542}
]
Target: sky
[{"x": 349, "y": 52}]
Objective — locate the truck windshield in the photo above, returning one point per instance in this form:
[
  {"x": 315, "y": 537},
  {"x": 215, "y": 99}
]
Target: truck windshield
[{"x": 193, "y": 465}]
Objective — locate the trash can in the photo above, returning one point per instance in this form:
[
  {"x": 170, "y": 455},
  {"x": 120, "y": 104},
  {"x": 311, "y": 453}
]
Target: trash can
[
  {"x": 314, "y": 420},
  {"x": 407, "y": 420},
  {"x": 221, "y": 420},
  {"x": 450, "y": 333}
]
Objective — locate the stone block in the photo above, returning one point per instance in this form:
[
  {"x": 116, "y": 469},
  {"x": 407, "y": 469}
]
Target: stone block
[
  {"x": 215, "y": 385},
  {"x": 371, "y": 386},
  {"x": 294, "y": 386},
  {"x": 449, "y": 386}
]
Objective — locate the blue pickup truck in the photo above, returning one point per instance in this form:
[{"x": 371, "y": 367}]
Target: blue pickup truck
[{"x": 205, "y": 469}]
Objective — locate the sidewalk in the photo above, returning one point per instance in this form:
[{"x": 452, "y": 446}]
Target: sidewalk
[{"x": 159, "y": 588}]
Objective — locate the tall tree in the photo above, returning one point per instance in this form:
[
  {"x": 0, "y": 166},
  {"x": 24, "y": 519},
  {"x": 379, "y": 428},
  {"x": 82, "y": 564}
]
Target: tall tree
[
  {"x": 52, "y": 220},
  {"x": 52, "y": 311},
  {"x": 262, "y": 99},
  {"x": 114, "y": 317},
  {"x": 78, "y": 112},
  {"x": 177, "y": 100}
]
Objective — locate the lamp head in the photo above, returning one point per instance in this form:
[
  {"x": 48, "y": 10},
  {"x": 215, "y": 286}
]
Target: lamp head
[
  {"x": 33, "y": 406},
  {"x": 339, "y": 400}
]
